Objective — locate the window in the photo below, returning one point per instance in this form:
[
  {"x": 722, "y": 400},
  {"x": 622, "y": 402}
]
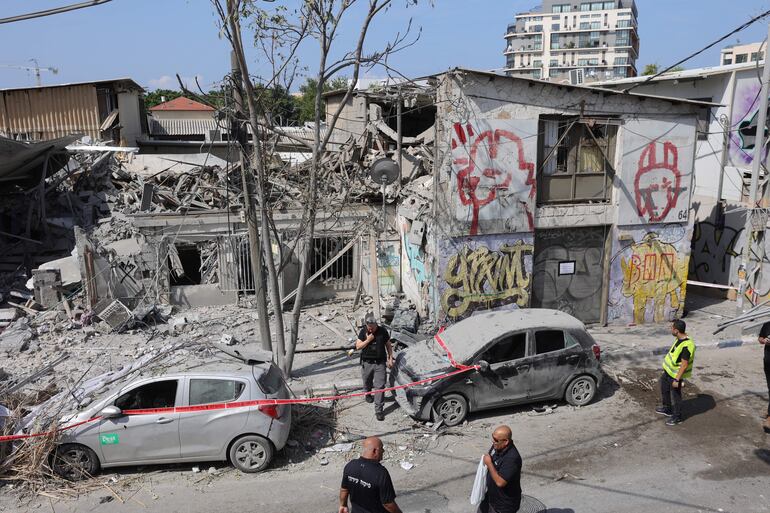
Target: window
[
  {"x": 596, "y": 25},
  {"x": 536, "y": 28},
  {"x": 609, "y": 5},
  {"x": 623, "y": 38},
  {"x": 754, "y": 56},
  {"x": 555, "y": 41},
  {"x": 624, "y": 23},
  {"x": 704, "y": 119},
  {"x": 741, "y": 58},
  {"x": 553, "y": 63},
  {"x": 537, "y": 63},
  {"x": 561, "y": 8},
  {"x": 621, "y": 61},
  {"x": 511, "y": 347},
  {"x": 207, "y": 391},
  {"x": 597, "y": 6},
  {"x": 537, "y": 43},
  {"x": 576, "y": 159},
  {"x": 555, "y": 26},
  {"x": 585, "y": 7},
  {"x": 585, "y": 16},
  {"x": 585, "y": 25},
  {"x": 727, "y": 61},
  {"x": 549, "y": 341},
  {"x": 620, "y": 73},
  {"x": 537, "y": 73},
  {"x": 160, "y": 394},
  {"x": 271, "y": 380}
]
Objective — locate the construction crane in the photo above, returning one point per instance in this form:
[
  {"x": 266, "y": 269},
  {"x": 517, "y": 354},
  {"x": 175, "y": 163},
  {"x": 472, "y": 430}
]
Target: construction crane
[{"x": 36, "y": 68}]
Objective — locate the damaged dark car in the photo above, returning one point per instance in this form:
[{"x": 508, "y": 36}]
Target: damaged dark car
[{"x": 523, "y": 356}]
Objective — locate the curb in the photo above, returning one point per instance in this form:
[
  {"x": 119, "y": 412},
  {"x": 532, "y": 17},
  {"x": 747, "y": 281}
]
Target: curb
[{"x": 658, "y": 351}]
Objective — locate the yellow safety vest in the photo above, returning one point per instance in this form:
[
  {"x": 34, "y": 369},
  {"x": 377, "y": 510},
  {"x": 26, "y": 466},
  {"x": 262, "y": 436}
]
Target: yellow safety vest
[{"x": 669, "y": 362}]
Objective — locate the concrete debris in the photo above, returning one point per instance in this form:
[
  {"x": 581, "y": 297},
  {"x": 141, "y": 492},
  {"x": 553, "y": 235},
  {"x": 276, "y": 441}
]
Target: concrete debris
[
  {"x": 16, "y": 337},
  {"x": 406, "y": 465},
  {"x": 228, "y": 340},
  {"x": 406, "y": 320}
]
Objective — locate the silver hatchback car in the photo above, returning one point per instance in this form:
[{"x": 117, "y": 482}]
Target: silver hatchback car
[{"x": 246, "y": 436}]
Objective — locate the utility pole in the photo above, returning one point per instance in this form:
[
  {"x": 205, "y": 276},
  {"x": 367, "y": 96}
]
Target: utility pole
[
  {"x": 747, "y": 275},
  {"x": 255, "y": 248}
]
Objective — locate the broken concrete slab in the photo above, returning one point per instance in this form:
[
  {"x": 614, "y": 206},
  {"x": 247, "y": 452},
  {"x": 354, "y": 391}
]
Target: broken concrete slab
[
  {"x": 406, "y": 320},
  {"x": 16, "y": 337},
  {"x": 201, "y": 295}
]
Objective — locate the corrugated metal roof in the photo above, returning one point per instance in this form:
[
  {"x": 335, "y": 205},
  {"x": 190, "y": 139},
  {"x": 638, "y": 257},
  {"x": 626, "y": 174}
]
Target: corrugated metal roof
[
  {"x": 182, "y": 126},
  {"x": 125, "y": 81}
]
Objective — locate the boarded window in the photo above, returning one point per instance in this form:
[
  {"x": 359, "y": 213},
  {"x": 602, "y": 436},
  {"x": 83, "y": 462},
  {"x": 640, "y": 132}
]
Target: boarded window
[
  {"x": 206, "y": 391},
  {"x": 576, "y": 160}
]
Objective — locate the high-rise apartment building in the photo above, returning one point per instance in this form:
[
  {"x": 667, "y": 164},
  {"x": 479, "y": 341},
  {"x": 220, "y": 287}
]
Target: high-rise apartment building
[
  {"x": 552, "y": 40},
  {"x": 740, "y": 54}
]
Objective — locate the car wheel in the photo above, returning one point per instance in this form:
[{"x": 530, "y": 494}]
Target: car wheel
[
  {"x": 580, "y": 391},
  {"x": 251, "y": 453},
  {"x": 452, "y": 409},
  {"x": 75, "y": 462}
]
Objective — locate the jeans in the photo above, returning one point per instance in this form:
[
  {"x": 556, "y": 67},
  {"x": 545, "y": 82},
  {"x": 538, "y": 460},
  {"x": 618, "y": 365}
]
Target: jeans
[
  {"x": 767, "y": 378},
  {"x": 667, "y": 392},
  {"x": 373, "y": 374}
]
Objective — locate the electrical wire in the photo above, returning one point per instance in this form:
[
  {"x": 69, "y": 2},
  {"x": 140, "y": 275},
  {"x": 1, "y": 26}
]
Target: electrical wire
[
  {"x": 49, "y": 12},
  {"x": 695, "y": 54}
]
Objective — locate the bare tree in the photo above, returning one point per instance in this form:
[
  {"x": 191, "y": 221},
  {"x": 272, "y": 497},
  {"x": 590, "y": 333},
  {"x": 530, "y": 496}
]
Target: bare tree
[{"x": 279, "y": 32}]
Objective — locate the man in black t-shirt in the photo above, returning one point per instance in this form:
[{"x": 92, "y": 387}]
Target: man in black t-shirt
[
  {"x": 503, "y": 474},
  {"x": 764, "y": 339},
  {"x": 376, "y": 352},
  {"x": 367, "y": 483}
]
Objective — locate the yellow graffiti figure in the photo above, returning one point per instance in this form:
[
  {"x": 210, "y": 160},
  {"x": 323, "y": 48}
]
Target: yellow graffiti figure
[
  {"x": 654, "y": 272},
  {"x": 484, "y": 277}
]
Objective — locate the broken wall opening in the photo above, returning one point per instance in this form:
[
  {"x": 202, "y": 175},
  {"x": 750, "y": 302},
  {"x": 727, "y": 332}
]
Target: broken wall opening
[
  {"x": 341, "y": 273},
  {"x": 190, "y": 258}
]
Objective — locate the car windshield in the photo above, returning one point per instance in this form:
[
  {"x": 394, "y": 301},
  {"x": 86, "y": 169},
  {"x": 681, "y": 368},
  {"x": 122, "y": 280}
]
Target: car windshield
[{"x": 461, "y": 347}]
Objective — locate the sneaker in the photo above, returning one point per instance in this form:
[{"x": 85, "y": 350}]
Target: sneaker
[
  {"x": 673, "y": 421},
  {"x": 380, "y": 416},
  {"x": 662, "y": 410},
  {"x": 369, "y": 398}
]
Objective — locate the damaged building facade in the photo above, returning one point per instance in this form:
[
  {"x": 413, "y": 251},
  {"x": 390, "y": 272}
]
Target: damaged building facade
[{"x": 538, "y": 195}]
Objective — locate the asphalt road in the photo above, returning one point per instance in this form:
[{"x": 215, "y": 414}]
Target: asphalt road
[{"x": 613, "y": 455}]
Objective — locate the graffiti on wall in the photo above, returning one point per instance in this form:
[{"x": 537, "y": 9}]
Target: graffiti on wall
[
  {"x": 388, "y": 267},
  {"x": 744, "y": 122},
  {"x": 657, "y": 184},
  {"x": 713, "y": 248},
  {"x": 485, "y": 273},
  {"x": 649, "y": 274},
  {"x": 494, "y": 173},
  {"x": 658, "y": 161}
]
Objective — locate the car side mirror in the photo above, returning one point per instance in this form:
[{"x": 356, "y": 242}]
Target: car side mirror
[
  {"x": 483, "y": 365},
  {"x": 110, "y": 412}
]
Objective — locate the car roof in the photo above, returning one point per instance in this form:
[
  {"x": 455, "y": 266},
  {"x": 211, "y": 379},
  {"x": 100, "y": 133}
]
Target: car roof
[{"x": 469, "y": 335}]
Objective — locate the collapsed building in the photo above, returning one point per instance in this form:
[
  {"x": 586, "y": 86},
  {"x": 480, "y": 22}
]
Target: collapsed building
[{"x": 460, "y": 193}]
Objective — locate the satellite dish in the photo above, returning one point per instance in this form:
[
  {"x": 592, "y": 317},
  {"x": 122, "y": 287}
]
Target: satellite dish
[{"x": 383, "y": 171}]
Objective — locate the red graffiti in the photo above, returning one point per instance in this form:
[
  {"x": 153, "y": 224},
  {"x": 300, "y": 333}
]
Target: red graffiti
[
  {"x": 656, "y": 185},
  {"x": 482, "y": 171}
]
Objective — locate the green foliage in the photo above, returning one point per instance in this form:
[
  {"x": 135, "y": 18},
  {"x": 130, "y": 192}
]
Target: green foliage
[
  {"x": 654, "y": 69},
  {"x": 155, "y": 97},
  {"x": 306, "y": 102},
  {"x": 277, "y": 105}
]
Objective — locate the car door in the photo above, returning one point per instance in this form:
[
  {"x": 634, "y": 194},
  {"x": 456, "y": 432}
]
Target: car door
[
  {"x": 505, "y": 380},
  {"x": 555, "y": 356},
  {"x": 143, "y": 438},
  {"x": 207, "y": 433}
]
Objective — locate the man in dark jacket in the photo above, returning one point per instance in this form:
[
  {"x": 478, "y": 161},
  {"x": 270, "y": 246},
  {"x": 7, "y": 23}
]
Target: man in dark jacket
[
  {"x": 367, "y": 483},
  {"x": 764, "y": 339},
  {"x": 503, "y": 474},
  {"x": 376, "y": 352}
]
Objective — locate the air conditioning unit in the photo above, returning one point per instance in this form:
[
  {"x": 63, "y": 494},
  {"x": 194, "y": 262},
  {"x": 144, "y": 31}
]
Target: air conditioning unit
[{"x": 576, "y": 76}]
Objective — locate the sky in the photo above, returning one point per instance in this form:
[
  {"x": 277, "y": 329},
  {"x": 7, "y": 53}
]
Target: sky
[{"x": 153, "y": 40}]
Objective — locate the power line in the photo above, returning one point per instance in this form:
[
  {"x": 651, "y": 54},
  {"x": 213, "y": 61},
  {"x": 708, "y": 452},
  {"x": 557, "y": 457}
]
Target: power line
[
  {"x": 49, "y": 12},
  {"x": 745, "y": 25}
]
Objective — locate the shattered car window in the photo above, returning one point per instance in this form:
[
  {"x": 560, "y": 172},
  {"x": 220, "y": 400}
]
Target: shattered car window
[
  {"x": 205, "y": 391},
  {"x": 270, "y": 381},
  {"x": 549, "y": 341},
  {"x": 159, "y": 394},
  {"x": 506, "y": 349}
]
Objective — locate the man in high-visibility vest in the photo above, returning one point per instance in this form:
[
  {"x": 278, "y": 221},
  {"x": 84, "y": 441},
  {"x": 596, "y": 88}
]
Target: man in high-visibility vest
[{"x": 677, "y": 366}]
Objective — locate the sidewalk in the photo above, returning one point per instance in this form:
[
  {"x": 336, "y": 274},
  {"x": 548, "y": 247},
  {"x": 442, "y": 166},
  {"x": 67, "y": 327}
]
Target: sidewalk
[{"x": 335, "y": 372}]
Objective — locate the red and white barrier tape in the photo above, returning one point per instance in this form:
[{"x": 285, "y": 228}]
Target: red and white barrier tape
[{"x": 261, "y": 402}]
